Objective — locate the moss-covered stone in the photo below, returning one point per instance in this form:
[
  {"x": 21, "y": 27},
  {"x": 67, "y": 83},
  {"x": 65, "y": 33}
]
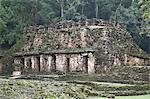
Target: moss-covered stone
[{"x": 110, "y": 42}]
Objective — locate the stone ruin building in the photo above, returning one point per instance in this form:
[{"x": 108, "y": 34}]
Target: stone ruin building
[
  {"x": 60, "y": 60},
  {"x": 84, "y": 46}
]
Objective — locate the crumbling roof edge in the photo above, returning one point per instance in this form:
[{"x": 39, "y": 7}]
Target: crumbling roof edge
[{"x": 59, "y": 51}]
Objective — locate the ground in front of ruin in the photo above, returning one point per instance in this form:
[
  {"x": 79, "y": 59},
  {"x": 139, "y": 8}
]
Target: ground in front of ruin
[{"x": 66, "y": 86}]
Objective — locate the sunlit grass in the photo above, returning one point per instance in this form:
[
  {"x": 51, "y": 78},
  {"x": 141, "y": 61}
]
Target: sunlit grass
[{"x": 125, "y": 97}]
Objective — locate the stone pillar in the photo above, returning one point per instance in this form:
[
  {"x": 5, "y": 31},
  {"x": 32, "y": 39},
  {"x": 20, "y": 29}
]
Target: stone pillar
[
  {"x": 60, "y": 63},
  {"x": 36, "y": 65},
  {"x": 25, "y": 62},
  {"x": 49, "y": 68},
  {"x": 33, "y": 62},
  {"x": 91, "y": 63},
  {"x": 74, "y": 63},
  {"x": 41, "y": 63}
]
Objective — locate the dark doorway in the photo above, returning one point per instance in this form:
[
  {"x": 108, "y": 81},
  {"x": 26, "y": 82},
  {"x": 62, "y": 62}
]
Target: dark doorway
[
  {"x": 53, "y": 63},
  {"x": 29, "y": 63},
  {"x": 22, "y": 62},
  {"x": 85, "y": 62},
  {"x": 68, "y": 65},
  {"x": 38, "y": 64}
]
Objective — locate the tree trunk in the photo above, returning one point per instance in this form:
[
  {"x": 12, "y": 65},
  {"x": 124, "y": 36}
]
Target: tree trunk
[
  {"x": 96, "y": 9},
  {"x": 62, "y": 8},
  {"x": 82, "y": 7}
]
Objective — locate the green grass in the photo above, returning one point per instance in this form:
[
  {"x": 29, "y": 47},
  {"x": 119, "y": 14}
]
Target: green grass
[
  {"x": 67, "y": 86},
  {"x": 125, "y": 97},
  {"x": 134, "y": 97}
]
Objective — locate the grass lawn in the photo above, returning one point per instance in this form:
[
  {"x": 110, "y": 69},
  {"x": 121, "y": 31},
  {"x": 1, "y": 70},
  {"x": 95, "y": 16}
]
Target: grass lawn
[
  {"x": 56, "y": 86},
  {"x": 134, "y": 97},
  {"x": 125, "y": 97}
]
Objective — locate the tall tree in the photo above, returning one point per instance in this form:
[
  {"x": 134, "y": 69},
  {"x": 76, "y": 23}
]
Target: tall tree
[
  {"x": 61, "y": 2},
  {"x": 96, "y": 9},
  {"x": 145, "y": 7}
]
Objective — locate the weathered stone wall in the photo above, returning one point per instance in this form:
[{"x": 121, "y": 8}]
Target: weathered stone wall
[
  {"x": 137, "y": 61},
  {"x": 63, "y": 62},
  {"x": 70, "y": 39},
  {"x": 109, "y": 39},
  {"x": 67, "y": 34},
  {"x": 60, "y": 62},
  {"x": 46, "y": 64},
  {"x": 76, "y": 63},
  {"x": 91, "y": 63},
  {"x": 110, "y": 43},
  {"x": 30, "y": 63},
  {"x": 42, "y": 63}
]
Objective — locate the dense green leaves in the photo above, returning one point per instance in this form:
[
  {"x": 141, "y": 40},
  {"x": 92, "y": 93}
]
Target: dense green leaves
[
  {"x": 6, "y": 23},
  {"x": 145, "y": 8}
]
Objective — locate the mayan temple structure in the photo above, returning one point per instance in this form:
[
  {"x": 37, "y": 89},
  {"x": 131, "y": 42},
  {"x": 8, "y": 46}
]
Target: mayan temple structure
[{"x": 83, "y": 46}]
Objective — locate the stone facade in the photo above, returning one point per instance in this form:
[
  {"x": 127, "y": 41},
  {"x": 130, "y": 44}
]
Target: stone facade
[
  {"x": 63, "y": 62},
  {"x": 112, "y": 43},
  {"x": 132, "y": 60}
]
